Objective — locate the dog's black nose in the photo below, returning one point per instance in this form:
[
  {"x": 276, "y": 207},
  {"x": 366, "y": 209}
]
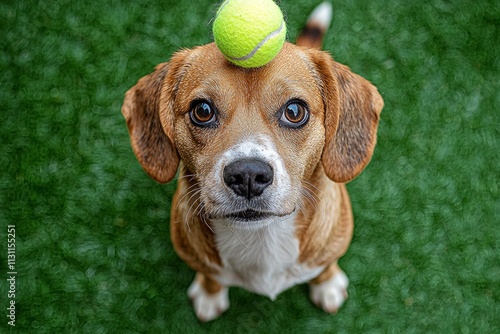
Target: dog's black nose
[{"x": 248, "y": 178}]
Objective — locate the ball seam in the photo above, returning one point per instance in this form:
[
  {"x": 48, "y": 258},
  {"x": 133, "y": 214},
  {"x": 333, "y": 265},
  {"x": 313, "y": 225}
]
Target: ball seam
[{"x": 258, "y": 46}]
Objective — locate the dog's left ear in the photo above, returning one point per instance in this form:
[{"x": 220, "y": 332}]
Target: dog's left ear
[
  {"x": 149, "y": 111},
  {"x": 352, "y": 112},
  {"x": 153, "y": 144}
]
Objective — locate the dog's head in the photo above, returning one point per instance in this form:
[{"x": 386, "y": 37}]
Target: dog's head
[{"x": 251, "y": 137}]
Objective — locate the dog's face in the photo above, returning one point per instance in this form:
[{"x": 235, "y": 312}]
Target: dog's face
[{"x": 252, "y": 138}]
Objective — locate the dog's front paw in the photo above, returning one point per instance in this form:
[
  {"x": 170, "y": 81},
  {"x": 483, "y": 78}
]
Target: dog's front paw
[
  {"x": 208, "y": 306},
  {"x": 330, "y": 294}
]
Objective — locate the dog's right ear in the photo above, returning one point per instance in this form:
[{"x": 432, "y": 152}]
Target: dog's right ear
[
  {"x": 352, "y": 113},
  {"x": 152, "y": 138}
]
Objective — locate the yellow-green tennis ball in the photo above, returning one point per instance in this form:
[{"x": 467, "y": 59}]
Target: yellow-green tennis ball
[{"x": 250, "y": 33}]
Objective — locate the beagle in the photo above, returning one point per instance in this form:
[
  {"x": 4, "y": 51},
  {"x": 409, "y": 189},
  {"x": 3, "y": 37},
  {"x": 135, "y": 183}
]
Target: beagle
[{"x": 262, "y": 156}]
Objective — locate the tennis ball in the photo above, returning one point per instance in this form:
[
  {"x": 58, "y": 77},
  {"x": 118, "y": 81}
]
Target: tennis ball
[{"x": 250, "y": 33}]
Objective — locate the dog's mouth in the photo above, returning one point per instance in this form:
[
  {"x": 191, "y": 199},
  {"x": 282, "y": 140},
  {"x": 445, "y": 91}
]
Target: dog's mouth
[{"x": 250, "y": 215}]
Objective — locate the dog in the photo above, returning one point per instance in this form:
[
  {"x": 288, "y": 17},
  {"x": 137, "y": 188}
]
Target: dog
[{"x": 262, "y": 157}]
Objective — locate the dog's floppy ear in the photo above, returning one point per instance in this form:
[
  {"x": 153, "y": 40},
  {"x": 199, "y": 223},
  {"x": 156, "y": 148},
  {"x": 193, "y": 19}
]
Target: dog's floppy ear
[
  {"x": 152, "y": 136},
  {"x": 352, "y": 111}
]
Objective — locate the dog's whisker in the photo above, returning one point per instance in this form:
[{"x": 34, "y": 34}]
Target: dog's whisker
[
  {"x": 310, "y": 199},
  {"x": 312, "y": 185},
  {"x": 190, "y": 213},
  {"x": 193, "y": 193},
  {"x": 315, "y": 191},
  {"x": 186, "y": 223},
  {"x": 237, "y": 236},
  {"x": 193, "y": 209},
  {"x": 188, "y": 192},
  {"x": 315, "y": 199},
  {"x": 301, "y": 208},
  {"x": 313, "y": 188},
  {"x": 199, "y": 209},
  {"x": 261, "y": 242},
  {"x": 188, "y": 216},
  {"x": 190, "y": 176},
  {"x": 204, "y": 220}
]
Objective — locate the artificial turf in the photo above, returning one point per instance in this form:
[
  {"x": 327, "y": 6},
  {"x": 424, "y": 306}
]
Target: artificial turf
[{"x": 93, "y": 253}]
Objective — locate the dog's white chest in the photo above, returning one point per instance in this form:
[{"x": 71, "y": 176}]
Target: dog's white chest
[{"x": 263, "y": 260}]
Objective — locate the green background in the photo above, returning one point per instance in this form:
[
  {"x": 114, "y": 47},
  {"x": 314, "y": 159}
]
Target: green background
[{"x": 93, "y": 249}]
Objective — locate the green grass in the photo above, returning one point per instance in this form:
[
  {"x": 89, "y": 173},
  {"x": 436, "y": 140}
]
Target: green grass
[{"x": 93, "y": 248}]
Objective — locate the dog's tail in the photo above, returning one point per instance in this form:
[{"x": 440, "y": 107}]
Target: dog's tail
[{"x": 317, "y": 25}]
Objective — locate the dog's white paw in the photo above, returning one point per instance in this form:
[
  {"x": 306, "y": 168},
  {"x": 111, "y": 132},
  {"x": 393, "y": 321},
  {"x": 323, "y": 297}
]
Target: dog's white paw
[
  {"x": 331, "y": 294},
  {"x": 208, "y": 306}
]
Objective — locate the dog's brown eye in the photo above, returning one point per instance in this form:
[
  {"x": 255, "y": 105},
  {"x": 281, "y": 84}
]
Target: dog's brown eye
[
  {"x": 202, "y": 114},
  {"x": 295, "y": 114}
]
